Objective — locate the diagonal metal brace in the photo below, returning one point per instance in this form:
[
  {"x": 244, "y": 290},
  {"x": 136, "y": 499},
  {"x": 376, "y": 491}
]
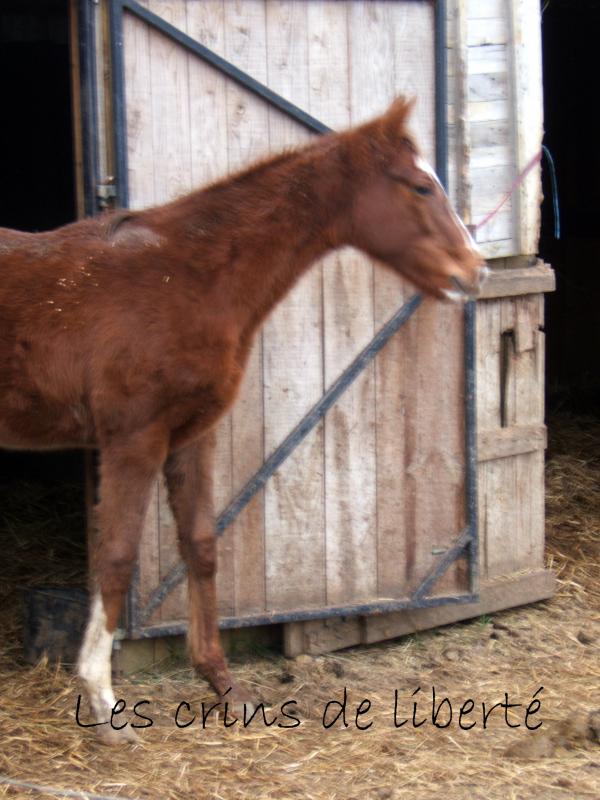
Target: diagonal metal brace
[{"x": 450, "y": 556}]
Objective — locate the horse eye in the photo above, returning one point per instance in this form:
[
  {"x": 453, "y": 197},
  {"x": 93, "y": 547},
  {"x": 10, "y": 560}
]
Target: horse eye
[{"x": 422, "y": 191}]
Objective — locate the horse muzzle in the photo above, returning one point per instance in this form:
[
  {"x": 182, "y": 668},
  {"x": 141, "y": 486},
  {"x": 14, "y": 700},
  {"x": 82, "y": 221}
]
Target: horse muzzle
[{"x": 465, "y": 290}]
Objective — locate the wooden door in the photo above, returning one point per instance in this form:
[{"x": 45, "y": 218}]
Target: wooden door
[{"x": 372, "y": 501}]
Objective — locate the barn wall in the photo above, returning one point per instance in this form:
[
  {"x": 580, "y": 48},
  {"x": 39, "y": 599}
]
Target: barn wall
[
  {"x": 495, "y": 116},
  {"x": 375, "y": 493}
]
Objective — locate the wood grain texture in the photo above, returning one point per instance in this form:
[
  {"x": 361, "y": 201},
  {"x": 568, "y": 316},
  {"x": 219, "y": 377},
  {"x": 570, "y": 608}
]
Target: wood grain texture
[
  {"x": 140, "y": 154},
  {"x": 349, "y": 463},
  {"x": 520, "y": 588},
  {"x": 293, "y": 351},
  {"x": 247, "y": 128},
  {"x": 519, "y": 281},
  {"x": 356, "y": 512},
  {"x": 140, "y": 142},
  {"x": 511, "y": 513},
  {"x": 325, "y": 636},
  {"x": 513, "y": 441},
  {"x": 527, "y": 115},
  {"x": 209, "y": 161},
  {"x": 170, "y": 105}
]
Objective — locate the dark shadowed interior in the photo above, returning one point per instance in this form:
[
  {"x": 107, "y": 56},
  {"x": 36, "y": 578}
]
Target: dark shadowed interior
[{"x": 572, "y": 125}]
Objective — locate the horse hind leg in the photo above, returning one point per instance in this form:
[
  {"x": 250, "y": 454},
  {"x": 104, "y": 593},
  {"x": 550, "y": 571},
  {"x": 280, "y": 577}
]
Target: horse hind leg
[
  {"x": 188, "y": 473},
  {"x": 127, "y": 473}
]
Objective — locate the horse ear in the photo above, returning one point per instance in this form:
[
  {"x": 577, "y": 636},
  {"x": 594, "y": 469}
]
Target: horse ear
[{"x": 394, "y": 119}]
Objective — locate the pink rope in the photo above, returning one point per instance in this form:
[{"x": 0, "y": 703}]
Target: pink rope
[{"x": 515, "y": 184}]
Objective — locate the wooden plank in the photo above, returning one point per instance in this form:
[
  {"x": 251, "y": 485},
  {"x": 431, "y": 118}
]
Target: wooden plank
[
  {"x": 505, "y": 592},
  {"x": 485, "y": 9},
  {"x": 410, "y": 41},
  {"x": 486, "y": 32},
  {"x": 459, "y": 182},
  {"x": 488, "y": 58},
  {"x": 489, "y": 134},
  {"x": 140, "y": 140},
  {"x": 506, "y": 442},
  {"x": 140, "y": 148},
  {"x": 149, "y": 559},
  {"x": 493, "y": 156},
  {"x": 508, "y": 358},
  {"x": 292, "y": 361},
  {"x": 435, "y": 461},
  {"x": 170, "y": 106},
  {"x": 512, "y": 513},
  {"x": 488, "y": 365},
  {"x": 324, "y": 636},
  {"x": 350, "y": 459},
  {"x": 174, "y": 605},
  {"x": 247, "y": 126},
  {"x": 489, "y": 111},
  {"x": 525, "y": 29},
  {"x": 488, "y": 86},
  {"x": 498, "y": 229},
  {"x": 209, "y": 161},
  {"x": 528, "y": 280},
  {"x": 328, "y": 63},
  {"x": 321, "y": 635},
  {"x": 502, "y": 248},
  {"x": 222, "y": 495},
  {"x": 403, "y": 36},
  {"x": 208, "y": 94},
  {"x": 529, "y": 385},
  {"x": 489, "y": 186}
]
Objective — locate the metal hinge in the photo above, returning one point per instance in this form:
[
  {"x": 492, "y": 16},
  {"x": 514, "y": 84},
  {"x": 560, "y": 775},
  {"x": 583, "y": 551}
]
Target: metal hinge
[{"x": 106, "y": 192}]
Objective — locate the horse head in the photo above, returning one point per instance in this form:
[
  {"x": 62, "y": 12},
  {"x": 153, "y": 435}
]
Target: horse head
[{"x": 402, "y": 216}]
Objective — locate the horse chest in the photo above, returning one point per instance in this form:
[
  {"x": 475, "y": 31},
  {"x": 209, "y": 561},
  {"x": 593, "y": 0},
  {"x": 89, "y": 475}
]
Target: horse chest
[{"x": 199, "y": 411}]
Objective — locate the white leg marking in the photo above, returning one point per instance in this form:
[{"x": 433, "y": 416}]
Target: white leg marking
[{"x": 93, "y": 665}]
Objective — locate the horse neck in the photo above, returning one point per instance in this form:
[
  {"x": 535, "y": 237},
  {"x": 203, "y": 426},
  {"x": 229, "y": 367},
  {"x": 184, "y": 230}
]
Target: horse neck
[{"x": 276, "y": 221}]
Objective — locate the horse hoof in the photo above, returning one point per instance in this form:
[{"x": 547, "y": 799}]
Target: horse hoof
[{"x": 111, "y": 737}]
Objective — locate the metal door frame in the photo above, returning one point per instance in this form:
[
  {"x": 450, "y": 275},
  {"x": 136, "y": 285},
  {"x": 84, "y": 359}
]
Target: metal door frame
[{"x": 466, "y": 542}]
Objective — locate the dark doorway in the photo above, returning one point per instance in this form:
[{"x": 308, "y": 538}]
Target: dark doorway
[
  {"x": 572, "y": 123},
  {"x": 42, "y": 506}
]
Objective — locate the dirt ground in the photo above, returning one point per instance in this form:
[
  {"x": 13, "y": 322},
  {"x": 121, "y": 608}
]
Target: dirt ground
[{"x": 544, "y": 659}]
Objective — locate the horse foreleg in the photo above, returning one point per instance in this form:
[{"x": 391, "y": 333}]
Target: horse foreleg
[
  {"x": 188, "y": 473},
  {"x": 127, "y": 472}
]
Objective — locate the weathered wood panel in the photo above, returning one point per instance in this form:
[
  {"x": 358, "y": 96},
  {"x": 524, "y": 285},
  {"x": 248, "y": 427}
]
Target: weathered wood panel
[
  {"x": 495, "y": 61},
  {"x": 323, "y": 512},
  {"x": 374, "y": 492},
  {"x": 247, "y": 139},
  {"x": 510, "y": 417},
  {"x": 293, "y": 374},
  {"x": 323, "y": 636},
  {"x": 209, "y": 128}
]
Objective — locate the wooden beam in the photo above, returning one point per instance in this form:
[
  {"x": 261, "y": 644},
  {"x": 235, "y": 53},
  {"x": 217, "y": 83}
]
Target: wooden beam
[
  {"x": 495, "y": 595},
  {"x": 323, "y": 636},
  {"x": 512, "y": 282},
  {"x": 512, "y": 441},
  {"x": 527, "y": 111}
]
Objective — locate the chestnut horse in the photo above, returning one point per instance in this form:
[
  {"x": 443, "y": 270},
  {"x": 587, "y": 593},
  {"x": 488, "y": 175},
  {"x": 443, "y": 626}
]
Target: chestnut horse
[{"x": 130, "y": 332}]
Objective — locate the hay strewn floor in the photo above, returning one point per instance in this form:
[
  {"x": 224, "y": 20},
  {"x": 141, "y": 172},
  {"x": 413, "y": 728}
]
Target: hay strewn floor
[{"x": 554, "y": 644}]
